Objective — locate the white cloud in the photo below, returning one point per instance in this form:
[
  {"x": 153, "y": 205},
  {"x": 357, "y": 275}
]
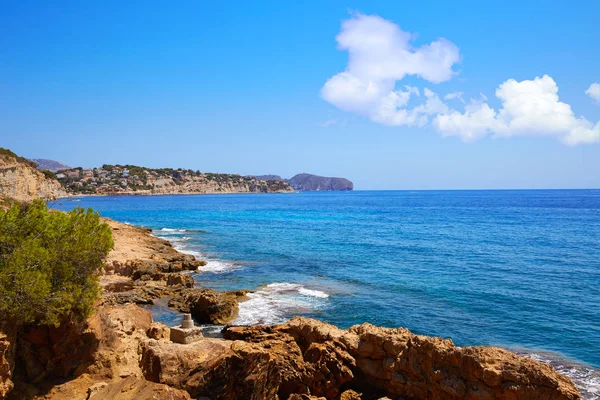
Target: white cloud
[
  {"x": 594, "y": 92},
  {"x": 454, "y": 96},
  {"x": 379, "y": 55},
  {"x": 529, "y": 108}
]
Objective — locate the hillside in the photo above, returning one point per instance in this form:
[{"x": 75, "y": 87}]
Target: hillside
[
  {"x": 309, "y": 182},
  {"x": 20, "y": 179},
  {"x": 131, "y": 179},
  {"x": 49, "y": 165}
]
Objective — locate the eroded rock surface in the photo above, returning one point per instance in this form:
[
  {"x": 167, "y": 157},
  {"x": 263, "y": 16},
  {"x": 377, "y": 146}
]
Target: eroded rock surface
[{"x": 7, "y": 357}]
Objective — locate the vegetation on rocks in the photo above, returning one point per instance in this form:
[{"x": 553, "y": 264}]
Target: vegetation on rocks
[
  {"x": 10, "y": 154},
  {"x": 49, "y": 263}
]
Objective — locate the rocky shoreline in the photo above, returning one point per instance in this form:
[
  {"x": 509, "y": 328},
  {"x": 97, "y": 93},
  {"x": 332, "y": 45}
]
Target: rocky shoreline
[{"x": 120, "y": 353}]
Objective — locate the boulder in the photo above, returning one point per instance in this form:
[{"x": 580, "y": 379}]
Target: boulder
[
  {"x": 207, "y": 306},
  {"x": 178, "y": 279},
  {"x": 158, "y": 331}
]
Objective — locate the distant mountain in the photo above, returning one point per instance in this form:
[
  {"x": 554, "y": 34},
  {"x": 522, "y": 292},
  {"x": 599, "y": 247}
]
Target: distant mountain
[
  {"x": 50, "y": 165},
  {"x": 309, "y": 182}
]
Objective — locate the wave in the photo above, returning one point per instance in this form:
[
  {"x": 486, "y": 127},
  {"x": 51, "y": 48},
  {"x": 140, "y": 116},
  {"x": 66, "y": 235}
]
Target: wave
[
  {"x": 212, "y": 265},
  {"x": 277, "y": 302},
  {"x": 585, "y": 377},
  {"x": 167, "y": 231}
]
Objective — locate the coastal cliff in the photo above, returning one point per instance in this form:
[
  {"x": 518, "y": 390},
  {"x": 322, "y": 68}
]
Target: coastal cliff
[
  {"x": 313, "y": 183},
  {"x": 20, "y": 180},
  {"x": 119, "y": 353},
  {"x": 134, "y": 180},
  {"x": 309, "y": 182}
]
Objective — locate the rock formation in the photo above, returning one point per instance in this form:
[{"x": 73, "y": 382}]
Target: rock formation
[
  {"x": 310, "y": 358},
  {"x": 308, "y": 182},
  {"x": 19, "y": 180}
]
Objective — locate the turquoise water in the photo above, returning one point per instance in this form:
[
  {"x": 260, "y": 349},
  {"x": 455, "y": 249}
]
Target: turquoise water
[{"x": 509, "y": 268}]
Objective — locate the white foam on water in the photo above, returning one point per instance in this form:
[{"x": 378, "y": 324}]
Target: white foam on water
[
  {"x": 218, "y": 266},
  {"x": 167, "y": 231},
  {"x": 585, "y": 377},
  {"x": 277, "y": 302},
  {"x": 212, "y": 265}
]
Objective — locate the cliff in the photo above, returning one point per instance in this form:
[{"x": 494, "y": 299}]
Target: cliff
[
  {"x": 20, "y": 180},
  {"x": 309, "y": 182},
  {"x": 129, "y": 179}
]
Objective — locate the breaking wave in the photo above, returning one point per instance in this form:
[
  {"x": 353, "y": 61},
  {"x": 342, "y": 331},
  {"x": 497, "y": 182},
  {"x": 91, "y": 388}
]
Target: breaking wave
[{"x": 277, "y": 302}]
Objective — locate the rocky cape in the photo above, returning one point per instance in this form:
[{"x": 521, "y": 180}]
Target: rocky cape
[
  {"x": 310, "y": 182},
  {"x": 120, "y": 353},
  {"x": 20, "y": 180}
]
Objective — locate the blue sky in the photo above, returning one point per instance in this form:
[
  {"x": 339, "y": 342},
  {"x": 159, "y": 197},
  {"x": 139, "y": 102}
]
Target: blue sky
[{"x": 247, "y": 88}]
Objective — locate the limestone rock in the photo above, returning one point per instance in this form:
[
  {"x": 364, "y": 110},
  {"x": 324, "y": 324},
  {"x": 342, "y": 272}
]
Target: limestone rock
[
  {"x": 21, "y": 181},
  {"x": 133, "y": 388},
  {"x": 159, "y": 331},
  {"x": 207, "y": 306},
  {"x": 184, "y": 280}
]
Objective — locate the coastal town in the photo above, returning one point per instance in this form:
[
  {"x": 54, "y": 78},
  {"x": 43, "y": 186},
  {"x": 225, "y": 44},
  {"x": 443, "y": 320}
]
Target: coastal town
[{"x": 131, "y": 179}]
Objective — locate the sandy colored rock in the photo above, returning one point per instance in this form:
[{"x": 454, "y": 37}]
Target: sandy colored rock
[
  {"x": 420, "y": 367},
  {"x": 22, "y": 182},
  {"x": 158, "y": 331},
  {"x": 135, "y": 249},
  {"x": 207, "y": 306},
  {"x": 133, "y": 388}
]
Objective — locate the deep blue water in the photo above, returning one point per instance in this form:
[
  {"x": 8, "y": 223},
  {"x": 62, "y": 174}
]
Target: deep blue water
[{"x": 509, "y": 268}]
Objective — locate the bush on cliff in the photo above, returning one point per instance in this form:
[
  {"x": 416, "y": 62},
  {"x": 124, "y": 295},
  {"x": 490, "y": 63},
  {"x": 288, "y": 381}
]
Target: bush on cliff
[{"x": 49, "y": 263}]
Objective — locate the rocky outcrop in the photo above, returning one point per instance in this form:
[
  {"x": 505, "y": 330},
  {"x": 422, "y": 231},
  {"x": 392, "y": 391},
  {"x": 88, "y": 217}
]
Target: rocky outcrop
[
  {"x": 309, "y": 182},
  {"x": 21, "y": 181},
  {"x": 208, "y": 306},
  {"x": 399, "y": 364},
  {"x": 308, "y": 359}
]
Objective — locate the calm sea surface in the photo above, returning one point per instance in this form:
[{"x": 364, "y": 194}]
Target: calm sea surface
[{"x": 519, "y": 269}]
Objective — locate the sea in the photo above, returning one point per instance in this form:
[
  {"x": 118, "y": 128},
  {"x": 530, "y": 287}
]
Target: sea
[{"x": 519, "y": 269}]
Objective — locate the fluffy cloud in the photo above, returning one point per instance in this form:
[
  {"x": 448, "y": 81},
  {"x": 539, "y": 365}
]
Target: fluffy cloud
[
  {"x": 529, "y": 108},
  {"x": 594, "y": 92},
  {"x": 379, "y": 55}
]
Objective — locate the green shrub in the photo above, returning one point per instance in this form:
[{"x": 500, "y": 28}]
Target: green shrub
[
  {"x": 10, "y": 154},
  {"x": 49, "y": 263},
  {"x": 49, "y": 174}
]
